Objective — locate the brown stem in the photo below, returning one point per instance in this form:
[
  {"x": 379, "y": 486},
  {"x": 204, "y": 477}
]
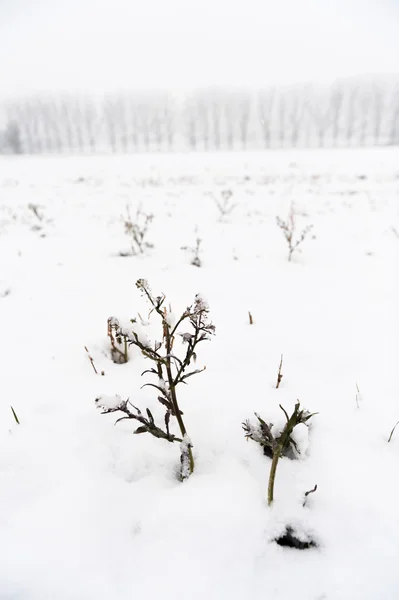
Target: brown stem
[
  {"x": 272, "y": 475},
  {"x": 279, "y": 375},
  {"x": 172, "y": 388},
  {"x": 91, "y": 361}
]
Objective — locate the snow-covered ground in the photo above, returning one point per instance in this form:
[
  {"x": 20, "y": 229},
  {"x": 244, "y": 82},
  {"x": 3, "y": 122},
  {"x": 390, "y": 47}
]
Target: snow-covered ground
[{"x": 90, "y": 512}]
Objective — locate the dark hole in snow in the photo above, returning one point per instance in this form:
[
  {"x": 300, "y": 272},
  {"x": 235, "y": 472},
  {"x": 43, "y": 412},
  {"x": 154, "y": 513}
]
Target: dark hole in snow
[{"x": 290, "y": 540}]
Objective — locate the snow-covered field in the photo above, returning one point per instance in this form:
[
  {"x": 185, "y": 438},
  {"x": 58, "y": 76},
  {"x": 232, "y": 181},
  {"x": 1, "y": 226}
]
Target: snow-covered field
[{"x": 90, "y": 512}]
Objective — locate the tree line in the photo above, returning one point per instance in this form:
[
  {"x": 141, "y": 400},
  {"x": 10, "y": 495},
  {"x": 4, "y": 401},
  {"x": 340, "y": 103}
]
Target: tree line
[{"x": 345, "y": 114}]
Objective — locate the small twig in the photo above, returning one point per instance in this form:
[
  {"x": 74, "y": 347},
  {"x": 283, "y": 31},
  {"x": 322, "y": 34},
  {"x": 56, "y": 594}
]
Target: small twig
[
  {"x": 91, "y": 361},
  {"x": 35, "y": 209},
  {"x": 279, "y": 375},
  {"x": 392, "y": 432},
  {"x": 307, "y": 494},
  {"x": 15, "y": 415},
  {"x": 251, "y": 320}
]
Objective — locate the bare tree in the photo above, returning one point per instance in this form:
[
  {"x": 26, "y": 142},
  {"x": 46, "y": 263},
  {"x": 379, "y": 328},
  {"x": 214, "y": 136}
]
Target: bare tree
[
  {"x": 321, "y": 115},
  {"x": 296, "y": 110},
  {"x": 337, "y": 97},
  {"x": 266, "y": 100},
  {"x": 351, "y": 113},
  {"x": 244, "y": 107},
  {"x": 109, "y": 111},
  {"x": 393, "y": 138},
  {"x": 281, "y": 112},
  {"x": 377, "y": 112},
  {"x": 12, "y": 138}
]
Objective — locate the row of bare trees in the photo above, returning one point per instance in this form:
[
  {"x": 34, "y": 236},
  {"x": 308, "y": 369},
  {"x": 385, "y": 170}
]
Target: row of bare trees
[{"x": 348, "y": 113}]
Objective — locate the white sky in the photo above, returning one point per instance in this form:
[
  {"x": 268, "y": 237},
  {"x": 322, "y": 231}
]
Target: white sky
[{"x": 104, "y": 45}]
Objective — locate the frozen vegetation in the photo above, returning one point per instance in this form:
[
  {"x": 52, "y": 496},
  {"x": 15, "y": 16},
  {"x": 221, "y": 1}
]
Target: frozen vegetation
[{"x": 298, "y": 261}]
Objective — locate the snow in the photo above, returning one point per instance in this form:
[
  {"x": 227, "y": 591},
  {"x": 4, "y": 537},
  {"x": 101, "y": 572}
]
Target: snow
[
  {"x": 109, "y": 402},
  {"x": 88, "y": 511}
]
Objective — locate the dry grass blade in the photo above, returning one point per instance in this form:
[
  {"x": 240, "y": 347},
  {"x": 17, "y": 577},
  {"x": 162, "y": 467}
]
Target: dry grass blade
[
  {"x": 15, "y": 416},
  {"x": 392, "y": 432}
]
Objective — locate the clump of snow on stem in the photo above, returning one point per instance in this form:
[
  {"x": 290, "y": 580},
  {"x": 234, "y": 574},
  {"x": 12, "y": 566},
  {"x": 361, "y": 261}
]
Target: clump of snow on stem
[
  {"x": 200, "y": 304},
  {"x": 185, "y": 457},
  {"x": 109, "y": 402}
]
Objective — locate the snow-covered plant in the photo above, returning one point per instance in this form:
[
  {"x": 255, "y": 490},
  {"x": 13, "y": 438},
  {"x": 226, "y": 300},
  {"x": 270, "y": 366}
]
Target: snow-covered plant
[
  {"x": 288, "y": 228},
  {"x": 225, "y": 204},
  {"x": 195, "y": 252},
  {"x": 168, "y": 368},
  {"x": 137, "y": 230},
  {"x": 119, "y": 344},
  {"x": 276, "y": 446}
]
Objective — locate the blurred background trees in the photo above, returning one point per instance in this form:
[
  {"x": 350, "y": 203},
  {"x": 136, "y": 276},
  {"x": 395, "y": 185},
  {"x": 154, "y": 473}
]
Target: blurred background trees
[{"x": 348, "y": 113}]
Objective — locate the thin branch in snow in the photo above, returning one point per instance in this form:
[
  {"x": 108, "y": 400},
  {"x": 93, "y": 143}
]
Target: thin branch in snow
[
  {"x": 279, "y": 374},
  {"x": 15, "y": 416},
  {"x": 92, "y": 362},
  {"x": 392, "y": 432},
  {"x": 312, "y": 491}
]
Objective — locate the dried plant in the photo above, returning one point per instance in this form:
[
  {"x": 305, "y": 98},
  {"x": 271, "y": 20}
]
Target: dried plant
[
  {"x": 275, "y": 447},
  {"x": 137, "y": 230},
  {"x": 225, "y": 204},
  {"x": 306, "y": 494},
  {"x": 92, "y": 362},
  {"x": 393, "y": 431},
  {"x": 40, "y": 222},
  {"x": 289, "y": 230},
  {"x": 119, "y": 345},
  {"x": 279, "y": 374},
  {"x": 15, "y": 415},
  {"x": 169, "y": 369},
  {"x": 35, "y": 210},
  {"x": 195, "y": 252}
]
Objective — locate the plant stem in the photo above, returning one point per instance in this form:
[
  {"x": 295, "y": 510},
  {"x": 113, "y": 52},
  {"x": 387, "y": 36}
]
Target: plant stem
[
  {"x": 272, "y": 474},
  {"x": 289, "y": 426},
  {"x": 392, "y": 432},
  {"x": 172, "y": 388}
]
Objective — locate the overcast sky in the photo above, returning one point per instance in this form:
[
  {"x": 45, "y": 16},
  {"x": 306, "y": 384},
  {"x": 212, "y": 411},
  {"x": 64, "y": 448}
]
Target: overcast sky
[{"x": 103, "y": 45}]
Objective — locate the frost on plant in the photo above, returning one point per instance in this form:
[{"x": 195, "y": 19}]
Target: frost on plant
[
  {"x": 170, "y": 366},
  {"x": 276, "y": 446},
  {"x": 288, "y": 228},
  {"x": 137, "y": 230}
]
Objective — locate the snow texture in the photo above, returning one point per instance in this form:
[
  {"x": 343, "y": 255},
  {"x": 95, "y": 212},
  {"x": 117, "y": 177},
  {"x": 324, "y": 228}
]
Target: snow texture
[
  {"x": 88, "y": 511},
  {"x": 109, "y": 402}
]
